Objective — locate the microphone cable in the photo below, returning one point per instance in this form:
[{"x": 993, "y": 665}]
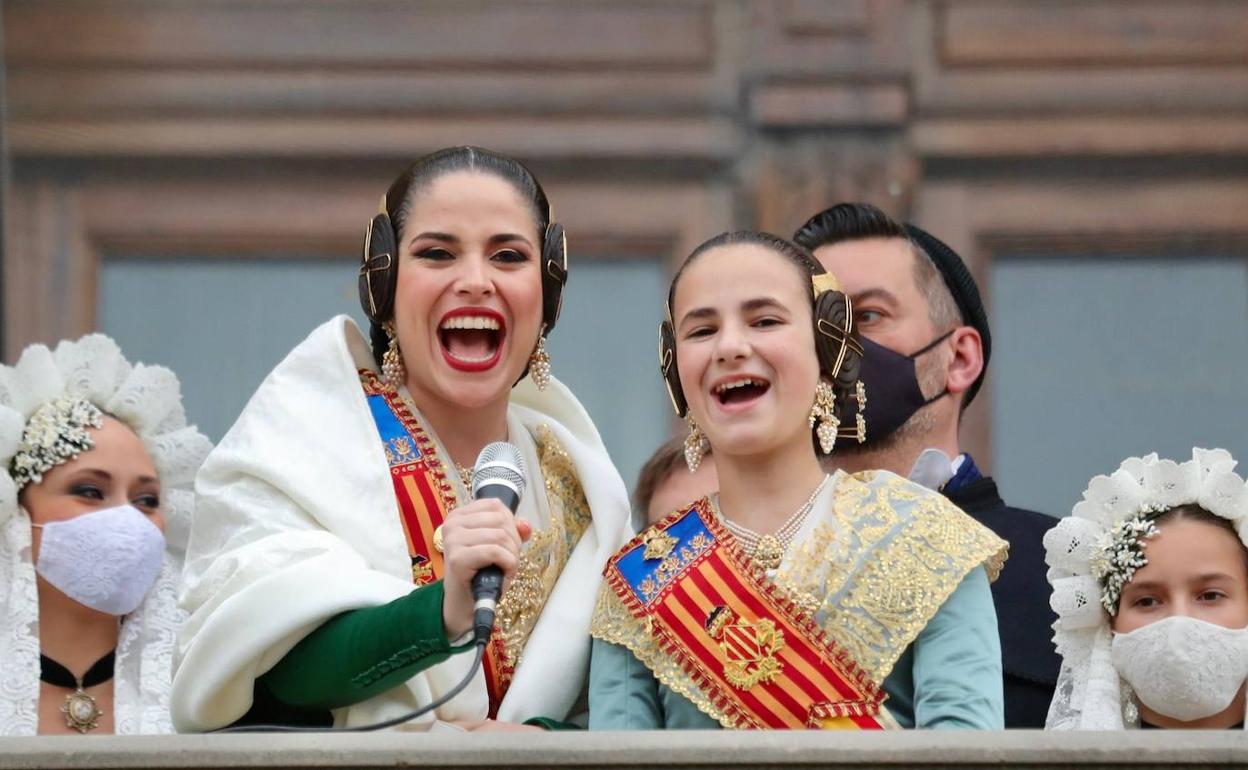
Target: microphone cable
[{"x": 480, "y": 645}]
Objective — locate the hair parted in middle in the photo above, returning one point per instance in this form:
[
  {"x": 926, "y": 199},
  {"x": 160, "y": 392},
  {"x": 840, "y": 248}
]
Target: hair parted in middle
[
  {"x": 379, "y": 269},
  {"x": 837, "y": 345}
]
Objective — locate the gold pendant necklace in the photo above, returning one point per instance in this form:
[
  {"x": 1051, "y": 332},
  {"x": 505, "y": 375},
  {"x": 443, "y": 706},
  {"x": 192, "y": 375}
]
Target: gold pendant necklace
[
  {"x": 80, "y": 708},
  {"x": 767, "y": 551},
  {"x": 81, "y": 711}
]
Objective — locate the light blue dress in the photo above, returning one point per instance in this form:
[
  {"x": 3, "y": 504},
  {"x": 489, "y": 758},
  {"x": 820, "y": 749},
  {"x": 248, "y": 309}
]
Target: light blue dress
[{"x": 948, "y": 677}]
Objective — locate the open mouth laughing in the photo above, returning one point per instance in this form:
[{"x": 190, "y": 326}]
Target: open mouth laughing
[
  {"x": 740, "y": 391},
  {"x": 471, "y": 338}
]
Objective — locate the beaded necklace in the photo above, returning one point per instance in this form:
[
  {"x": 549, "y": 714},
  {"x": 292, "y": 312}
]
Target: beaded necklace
[{"x": 767, "y": 551}]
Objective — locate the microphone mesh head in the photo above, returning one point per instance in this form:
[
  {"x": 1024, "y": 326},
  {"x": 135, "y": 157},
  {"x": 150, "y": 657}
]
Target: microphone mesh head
[{"x": 499, "y": 463}]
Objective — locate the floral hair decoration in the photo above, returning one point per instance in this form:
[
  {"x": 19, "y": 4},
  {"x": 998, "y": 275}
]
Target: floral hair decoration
[
  {"x": 1093, "y": 553},
  {"x": 50, "y": 399},
  {"x": 56, "y": 433},
  {"x": 1120, "y": 552}
]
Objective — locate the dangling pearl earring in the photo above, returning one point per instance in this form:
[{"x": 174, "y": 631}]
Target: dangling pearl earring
[
  {"x": 695, "y": 446},
  {"x": 392, "y": 369},
  {"x": 823, "y": 411},
  {"x": 539, "y": 364}
]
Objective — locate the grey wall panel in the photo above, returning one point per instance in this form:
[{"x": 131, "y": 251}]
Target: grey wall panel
[
  {"x": 223, "y": 324},
  {"x": 1096, "y": 360}
]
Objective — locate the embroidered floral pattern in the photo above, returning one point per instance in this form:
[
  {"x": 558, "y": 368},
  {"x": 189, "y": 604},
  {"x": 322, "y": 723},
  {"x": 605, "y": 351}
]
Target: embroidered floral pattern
[
  {"x": 673, "y": 565},
  {"x": 547, "y": 551}
]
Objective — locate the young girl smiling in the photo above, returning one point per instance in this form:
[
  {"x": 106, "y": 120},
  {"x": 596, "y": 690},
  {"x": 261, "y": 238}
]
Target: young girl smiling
[{"x": 791, "y": 598}]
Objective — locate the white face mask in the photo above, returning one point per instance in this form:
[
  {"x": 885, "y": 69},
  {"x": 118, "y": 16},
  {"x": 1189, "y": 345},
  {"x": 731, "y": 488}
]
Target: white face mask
[
  {"x": 106, "y": 560},
  {"x": 1182, "y": 667}
]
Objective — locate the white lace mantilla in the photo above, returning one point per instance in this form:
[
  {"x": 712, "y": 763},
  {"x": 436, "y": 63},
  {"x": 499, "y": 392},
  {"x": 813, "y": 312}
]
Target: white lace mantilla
[
  {"x": 149, "y": 400},
  {"x": 1090, "y": 695}
]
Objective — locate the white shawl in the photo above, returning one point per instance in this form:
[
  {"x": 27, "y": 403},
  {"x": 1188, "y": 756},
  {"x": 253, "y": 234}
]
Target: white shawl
[{"x": 297, "y": 521}]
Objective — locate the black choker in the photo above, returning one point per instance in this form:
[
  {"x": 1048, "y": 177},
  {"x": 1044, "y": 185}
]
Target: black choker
[{"x": 80, "y": 709}]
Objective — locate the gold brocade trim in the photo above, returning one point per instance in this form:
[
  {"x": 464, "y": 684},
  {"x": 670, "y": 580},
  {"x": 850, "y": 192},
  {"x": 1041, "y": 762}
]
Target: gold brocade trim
[
  {"x": 547, "y": 551},
  {"x": 873, "y": 576},
  {"x": 903, "y": 567}
]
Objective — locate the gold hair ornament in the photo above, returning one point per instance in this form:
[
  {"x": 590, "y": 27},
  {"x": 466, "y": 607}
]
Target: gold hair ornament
[{"x": 824, "y": 282}]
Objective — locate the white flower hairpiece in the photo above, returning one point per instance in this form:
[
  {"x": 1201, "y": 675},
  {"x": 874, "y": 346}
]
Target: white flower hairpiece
[
  {"x": 50, "y": 398},
  {"x": 1120, "y": 552},
  {"x": 56, "y": 433},
  {"x": 1093, "y": 553}
]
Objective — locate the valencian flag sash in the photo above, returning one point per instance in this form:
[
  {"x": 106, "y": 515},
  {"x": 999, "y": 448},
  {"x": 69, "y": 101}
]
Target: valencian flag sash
[
  {"x": 761, "y": 661},
  {"x": 425, "y": 496}
]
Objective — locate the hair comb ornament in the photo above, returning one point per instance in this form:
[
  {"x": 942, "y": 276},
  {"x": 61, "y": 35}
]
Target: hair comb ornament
[{"x": 824, "y": 282}]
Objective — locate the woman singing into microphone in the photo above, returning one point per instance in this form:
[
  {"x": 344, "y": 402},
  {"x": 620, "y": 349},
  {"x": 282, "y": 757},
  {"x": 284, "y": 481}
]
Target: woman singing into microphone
[
  {"x": 330, "y": 563},
  {"x": 792, "y": 598}
]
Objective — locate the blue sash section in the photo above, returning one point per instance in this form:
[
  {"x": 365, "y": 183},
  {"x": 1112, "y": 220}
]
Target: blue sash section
[
  {"x": 400, "y": 446},
  {"x": 648, "y": 577}
]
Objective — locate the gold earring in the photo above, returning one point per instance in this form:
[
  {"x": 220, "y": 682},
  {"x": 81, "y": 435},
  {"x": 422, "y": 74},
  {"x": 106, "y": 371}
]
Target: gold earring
[
  {"x": 860, "y": 395},
  {"x": 695, "y": 446},
  {"x": 823, "y": 412},
  {"x": 392, "y": 369},
  {"x": 539, "y": 364}
]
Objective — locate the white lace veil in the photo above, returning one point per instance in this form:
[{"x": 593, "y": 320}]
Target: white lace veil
[
  {"x": 1090, "y": 695},
  {"x": 149, "y": 400}
]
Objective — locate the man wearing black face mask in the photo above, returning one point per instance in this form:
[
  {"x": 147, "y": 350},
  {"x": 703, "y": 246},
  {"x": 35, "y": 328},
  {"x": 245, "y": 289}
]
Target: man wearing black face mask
[{"x": 927, "y": 346}]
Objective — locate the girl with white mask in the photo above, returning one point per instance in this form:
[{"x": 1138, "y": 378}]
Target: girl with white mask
[
  {"x": 96, "y": 466},
  {"x": 1150, "y": 584}
]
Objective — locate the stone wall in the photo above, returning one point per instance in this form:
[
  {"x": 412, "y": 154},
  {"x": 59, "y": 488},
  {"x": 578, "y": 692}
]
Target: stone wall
[{"x": 684, "y": 749}]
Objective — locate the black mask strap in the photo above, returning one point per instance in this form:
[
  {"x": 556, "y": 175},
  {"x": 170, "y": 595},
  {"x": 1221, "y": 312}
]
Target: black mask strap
[
  {"x": 936, "y": 397},
  {"x": 925, "y": 349},
  {"x": 932, "y": 344}
]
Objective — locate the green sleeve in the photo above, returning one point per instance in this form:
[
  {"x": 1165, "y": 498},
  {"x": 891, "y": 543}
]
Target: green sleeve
[
  {"x": 362, "y": 653},
  {"x": 546, "y": 723},
  {"x": 957, "y": 662},
  {"x": 623, "y": 693}
]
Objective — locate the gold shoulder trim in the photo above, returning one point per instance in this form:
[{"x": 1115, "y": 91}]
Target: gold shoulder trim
[
  {"x": 885, "y": 563},
  {"x": 547, "y": 551}
]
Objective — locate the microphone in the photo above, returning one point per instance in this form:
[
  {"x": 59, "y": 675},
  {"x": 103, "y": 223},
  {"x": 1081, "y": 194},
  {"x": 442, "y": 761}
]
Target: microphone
[{"x": 498, "y": 475}]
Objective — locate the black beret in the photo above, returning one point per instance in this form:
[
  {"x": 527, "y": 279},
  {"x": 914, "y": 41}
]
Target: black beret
[{"x": 962, "y": 286}]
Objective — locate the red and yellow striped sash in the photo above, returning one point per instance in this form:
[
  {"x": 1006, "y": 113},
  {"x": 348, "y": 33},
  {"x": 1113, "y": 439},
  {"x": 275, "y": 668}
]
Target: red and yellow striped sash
[
  {"x": 425, "y": 496},
  {"x": 757, "y": 657}
]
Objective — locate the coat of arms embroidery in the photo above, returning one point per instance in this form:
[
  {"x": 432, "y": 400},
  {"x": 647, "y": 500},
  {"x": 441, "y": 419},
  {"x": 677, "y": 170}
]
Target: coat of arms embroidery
[{"x": 749, "y": 647}]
